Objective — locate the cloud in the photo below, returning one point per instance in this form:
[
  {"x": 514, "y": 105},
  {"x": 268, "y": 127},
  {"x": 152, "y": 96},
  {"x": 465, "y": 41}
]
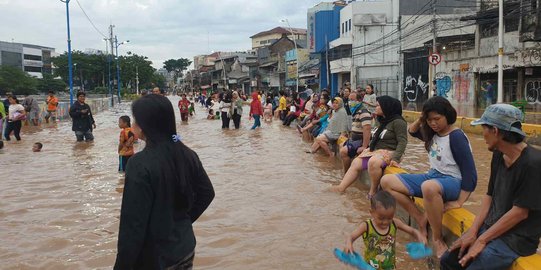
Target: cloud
[{"x": 159, "y": 29}]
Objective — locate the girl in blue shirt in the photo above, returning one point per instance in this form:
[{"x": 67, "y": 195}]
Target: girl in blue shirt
[{"x": 452, "y": 176}]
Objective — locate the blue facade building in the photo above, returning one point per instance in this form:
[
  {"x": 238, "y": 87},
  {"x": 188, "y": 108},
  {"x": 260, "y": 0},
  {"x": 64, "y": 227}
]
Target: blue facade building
[{"x": 324, "y": 27}]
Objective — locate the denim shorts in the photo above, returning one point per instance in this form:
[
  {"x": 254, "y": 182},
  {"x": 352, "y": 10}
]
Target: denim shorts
[{"x": 450, "y": 185}]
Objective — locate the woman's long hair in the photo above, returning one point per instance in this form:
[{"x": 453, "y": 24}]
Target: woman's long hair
[
  {"x": 155, "y": 115},
  {"x": 439, "y": 105}
]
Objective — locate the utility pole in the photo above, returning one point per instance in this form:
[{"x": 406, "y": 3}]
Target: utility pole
[
  {"x": 137, "y": 79},
  {"x": 431, "y": 67},
  {"x": 70, "y": 66},
  {"x": 500, "y": 52},
  {"x": 109, "y": 63}
]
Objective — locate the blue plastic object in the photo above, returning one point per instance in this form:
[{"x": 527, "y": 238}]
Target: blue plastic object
[
  {"x": 353, "y": 259},
  {"x": 418, "y": 250}
]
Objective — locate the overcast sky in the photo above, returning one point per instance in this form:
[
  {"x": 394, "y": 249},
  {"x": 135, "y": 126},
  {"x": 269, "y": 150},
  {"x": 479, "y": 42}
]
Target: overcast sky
[{"x": 159, "y": 29}]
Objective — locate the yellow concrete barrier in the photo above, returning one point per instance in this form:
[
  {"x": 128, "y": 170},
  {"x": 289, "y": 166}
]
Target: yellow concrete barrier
[
  {"x": 459, "y": 220},
  {"x": 533, "y": 132}
]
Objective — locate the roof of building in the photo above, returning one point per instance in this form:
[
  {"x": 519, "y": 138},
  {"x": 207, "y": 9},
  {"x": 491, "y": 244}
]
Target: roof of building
[{"x": 280, "y": 30}]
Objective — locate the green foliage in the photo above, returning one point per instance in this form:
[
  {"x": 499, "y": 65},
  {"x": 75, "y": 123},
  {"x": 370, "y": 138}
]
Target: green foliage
[
  {"x": 17, "y": 81},
  {"x": 101, "y": 90},
  {"x": 93, "y": 69},
  {"x": 177, "y": 66},
  {"x": 50, "y": 83},
  {"x": 158, "y": 80}
]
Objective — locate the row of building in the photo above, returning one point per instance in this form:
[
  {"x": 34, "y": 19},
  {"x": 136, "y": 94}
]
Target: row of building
[{"x": 389, "y": 43}]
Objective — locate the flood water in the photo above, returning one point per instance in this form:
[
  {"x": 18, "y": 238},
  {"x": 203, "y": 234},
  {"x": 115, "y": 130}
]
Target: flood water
[{"x": 59, "y": 209}]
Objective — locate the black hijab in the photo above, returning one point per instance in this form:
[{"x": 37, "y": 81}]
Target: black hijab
[{"x": 392, "y": 110}]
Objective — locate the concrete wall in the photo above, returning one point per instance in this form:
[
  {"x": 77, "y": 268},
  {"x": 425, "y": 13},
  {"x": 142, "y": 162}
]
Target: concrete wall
[{"x": 96, "y": 105}]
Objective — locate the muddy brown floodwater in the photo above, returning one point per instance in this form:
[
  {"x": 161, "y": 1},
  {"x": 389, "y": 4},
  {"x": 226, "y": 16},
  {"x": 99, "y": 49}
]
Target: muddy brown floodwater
[{"x": 59, "y": 209}]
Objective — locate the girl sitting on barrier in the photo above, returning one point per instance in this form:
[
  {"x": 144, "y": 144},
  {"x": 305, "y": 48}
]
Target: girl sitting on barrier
[
  {"x": 452, "y": 175},
  {"x": 385, "y": 149}
]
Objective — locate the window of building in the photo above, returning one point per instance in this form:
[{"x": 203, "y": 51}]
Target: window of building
[
  {"x": 488, "y": 30},
  {"x": 349, "y": 22},
  {"x": 511, "y": 24},
  {"x": 32, "y": 69},
  {"x": 342, "y": 28},
  {"x": 32, "y": 57}
]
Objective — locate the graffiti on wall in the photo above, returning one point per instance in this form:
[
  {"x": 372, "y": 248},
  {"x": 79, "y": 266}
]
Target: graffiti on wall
[
  {"x": 414, "y": 88},
  {"x": 531, "y": 56},
  {"x": 462, "y": 82},
  {"x": 533, "y": 91},
  {"x": 443, "y": 84}
]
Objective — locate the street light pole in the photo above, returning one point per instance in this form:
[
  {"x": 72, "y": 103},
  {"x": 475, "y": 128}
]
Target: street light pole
[
  {"x": 118, "y": 65},
  {"x": 70, "y": 74},
  {"x": 296, "y": 54},
  {"x": 226, "y": 86},
  {"x": 109, "y": 71}
]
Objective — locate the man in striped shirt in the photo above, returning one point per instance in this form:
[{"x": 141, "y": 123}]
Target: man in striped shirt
[{"x": 361, "y": 126}]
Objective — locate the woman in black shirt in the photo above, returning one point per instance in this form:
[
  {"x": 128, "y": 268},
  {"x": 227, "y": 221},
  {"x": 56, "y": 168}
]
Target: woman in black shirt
[{"x": 166, "y": 190}]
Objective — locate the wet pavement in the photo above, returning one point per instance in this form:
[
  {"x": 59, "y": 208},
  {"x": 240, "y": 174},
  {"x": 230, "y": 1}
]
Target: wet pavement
[{"x": 59, "y": 209}]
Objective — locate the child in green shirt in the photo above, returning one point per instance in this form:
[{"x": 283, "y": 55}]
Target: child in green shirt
[{"x": 379, "y": 232}]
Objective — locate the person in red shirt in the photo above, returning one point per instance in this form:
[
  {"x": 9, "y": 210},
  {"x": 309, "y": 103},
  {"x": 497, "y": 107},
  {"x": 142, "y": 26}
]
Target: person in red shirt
[
  {"x": 183, "y": 106},
  {"x": 256, "y": 110}
]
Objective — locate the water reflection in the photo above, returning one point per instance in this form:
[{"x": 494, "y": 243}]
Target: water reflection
[{"x": 59, "y": 208}]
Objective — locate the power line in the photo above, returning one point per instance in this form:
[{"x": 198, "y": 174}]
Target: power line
[{"x": 84, "y": 12}]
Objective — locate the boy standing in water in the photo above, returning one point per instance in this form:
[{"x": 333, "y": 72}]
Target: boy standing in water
[
  {"x": 125, "y": 144},
  {"x": 184, "y": 105},
  {"x": 379, "y": 232}
]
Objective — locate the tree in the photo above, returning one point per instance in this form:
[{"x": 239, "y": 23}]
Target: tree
[
  {"x": 50, "y": 83},
  {"x": 93, "y": 68},
  {"x": 132, "y": 63},
  {"x": 158, "y": 80},
  {"x": 17, "y": 81},
  {"x": 177, "y": 66}
]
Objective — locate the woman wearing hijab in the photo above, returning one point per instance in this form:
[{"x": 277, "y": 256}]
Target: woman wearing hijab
[
  {"x": 236, "y": 109},
  {"x": 386, "y": 147},
  {"x": 338, "y": 123}
]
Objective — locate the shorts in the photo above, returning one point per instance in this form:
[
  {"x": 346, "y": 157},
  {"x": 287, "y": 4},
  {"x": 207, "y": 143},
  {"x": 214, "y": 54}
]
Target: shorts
[
  {"x": 122, "y": 162},
  {"x": 450, "y": 185},
  {"x": 33, "y": 114},
  {"x": 353, "y": 146},
  {"x": 184, "y": 116},
  {"x": 330, "y": 136}
]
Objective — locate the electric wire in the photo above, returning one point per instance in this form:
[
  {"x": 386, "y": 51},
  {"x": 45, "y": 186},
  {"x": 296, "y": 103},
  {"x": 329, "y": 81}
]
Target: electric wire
[{"x": 88, "y": 18}]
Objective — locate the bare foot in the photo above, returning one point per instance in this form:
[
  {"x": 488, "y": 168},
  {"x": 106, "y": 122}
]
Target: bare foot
[
  {"x": 336, "y": 188},
  {"x": 440, "y": 247},
  {"x": 423, "y": 227}
]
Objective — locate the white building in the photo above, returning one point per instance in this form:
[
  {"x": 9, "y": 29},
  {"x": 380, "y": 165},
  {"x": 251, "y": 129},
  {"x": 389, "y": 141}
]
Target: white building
[
  {"x": 33, "y": 59},
  {"x": 373, "y": 28}
]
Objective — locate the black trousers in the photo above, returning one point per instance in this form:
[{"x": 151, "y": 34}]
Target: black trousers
[
  {"x": 14, "y": 126},
  {"x": 289, "y": 118},
  {"x": 236, "y": 120},
  {"x": 225, "y": 120}
]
